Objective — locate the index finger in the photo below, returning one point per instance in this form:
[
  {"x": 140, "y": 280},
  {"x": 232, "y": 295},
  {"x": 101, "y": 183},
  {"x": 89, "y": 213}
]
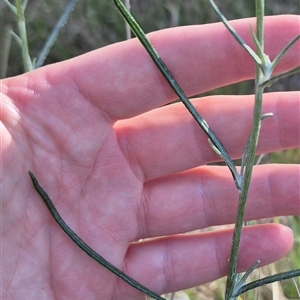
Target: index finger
[{"x": 123, "y": 81}]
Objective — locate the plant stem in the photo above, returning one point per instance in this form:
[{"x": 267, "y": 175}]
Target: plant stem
[
  {"x": 275, "y": 78},
  {"x": 55, "y": 32},
  {"x": 128, "y": 30},
  {"x": 234, "y": 33},
  {"x": 212, "y": 138},
  {"x": 5, "y": 52},
  {"x": 250, "y": 160},
  {"x": 267, "y": 280},
  {"x": 23, "y": 36},
  {"x": 86, "y": 248},
  {"x": 260, "y": 11}
]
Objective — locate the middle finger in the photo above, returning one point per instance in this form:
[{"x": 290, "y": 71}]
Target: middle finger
[
  {"x": 168, "y": 140},
  {"x": 206, "y": 196}
]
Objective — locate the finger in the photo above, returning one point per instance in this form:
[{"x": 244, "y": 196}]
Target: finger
[
  {"x": 207, "y": 196},
  {"x": 179, "y": 262},
  {"x": 168, "y": 140},
  {"x": 122, "y": 81}
]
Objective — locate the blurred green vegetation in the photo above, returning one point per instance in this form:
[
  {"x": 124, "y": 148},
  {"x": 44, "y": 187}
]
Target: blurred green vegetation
[
  {"x": 97, "y": 23},
  {"x": 292, "y": 259}
]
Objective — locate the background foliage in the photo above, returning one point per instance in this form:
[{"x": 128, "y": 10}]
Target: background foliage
[{"x": 96, "y": 23}]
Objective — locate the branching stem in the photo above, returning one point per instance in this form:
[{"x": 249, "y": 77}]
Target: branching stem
[
  {"x": 249, "y": 163},
  {"x": 267, "y": 280},
  {"x": 23, "y": 36}
]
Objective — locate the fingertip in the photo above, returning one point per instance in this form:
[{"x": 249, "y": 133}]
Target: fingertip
[
  {"x": 267, "y": 243},
  {"x": 287, "y": 235},
  {"x": 282, "y": 236}
]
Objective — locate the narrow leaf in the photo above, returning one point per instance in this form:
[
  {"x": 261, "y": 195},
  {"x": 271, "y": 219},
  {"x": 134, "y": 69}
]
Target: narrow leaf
[
  {"x": 233, "y": 32},
  {"x": 284, "y": 50},
  {"x": 267, "y": 280},
  {"x": 54, "y": 34},
  {"x": 11, "y": 6},
  {"x": 275, "y": 78}
]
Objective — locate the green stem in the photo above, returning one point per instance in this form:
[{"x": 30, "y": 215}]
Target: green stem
[
  {"x": 275, "y": 78},
  {"x": 283, "y": 51},
  {"x": 234, "y": 33},
  {"x": 260, "y": 11},
  {"x": 12, "y": 7},
  {"x": 267, "y": 280},
  {"x": 55, "y": 32},
  {"x": 250, "y": 155},
  {"x": 128, "y": 30},
  {"x": 23, "y": 36},
  {"x": 213, "y": 139},
  {"x": 86, "y": 248}
]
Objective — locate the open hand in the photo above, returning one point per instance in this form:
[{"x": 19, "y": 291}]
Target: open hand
[{"x": 120, "y": 166}]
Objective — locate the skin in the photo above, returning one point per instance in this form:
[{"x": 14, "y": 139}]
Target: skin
[{"x": 119, "y": 168}]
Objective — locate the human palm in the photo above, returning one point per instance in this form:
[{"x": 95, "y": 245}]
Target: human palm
[{"x": 120, "y": 169}]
